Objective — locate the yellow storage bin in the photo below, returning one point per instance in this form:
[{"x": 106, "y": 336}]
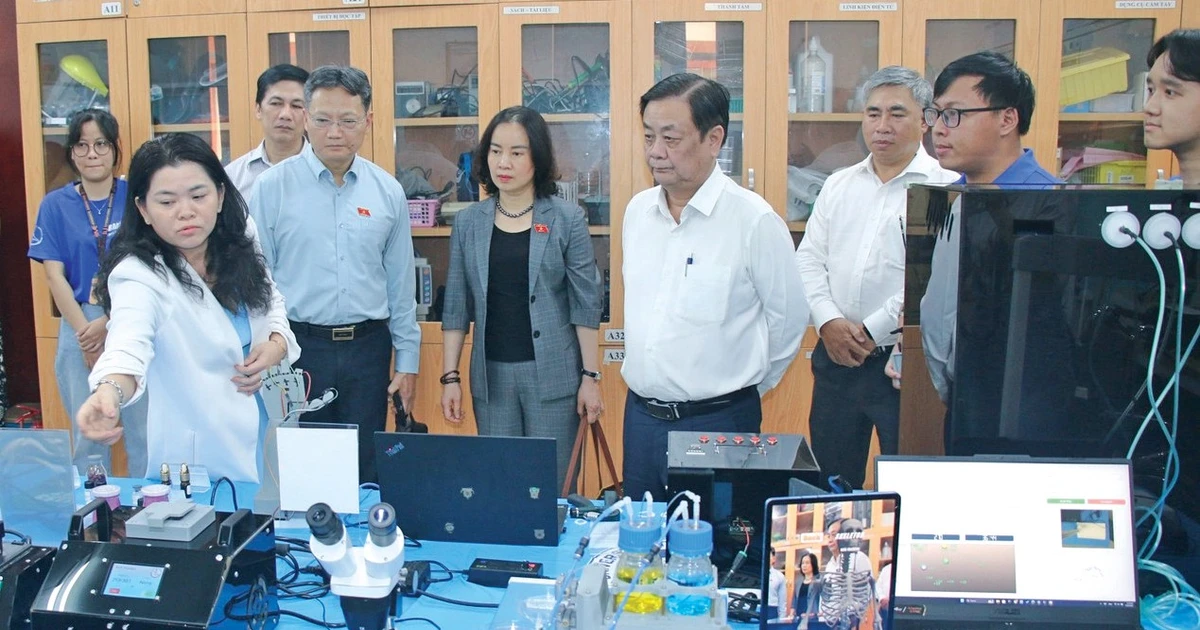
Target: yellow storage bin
[
  {"x": 1118, "y": 172},
  {"x": 1091, "y": 74}
]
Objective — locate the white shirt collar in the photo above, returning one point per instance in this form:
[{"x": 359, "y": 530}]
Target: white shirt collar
[
  {"x": 704, "y": 200},
  {"x": 921, "y": 164},
  {"x": 260, "y": 152}
]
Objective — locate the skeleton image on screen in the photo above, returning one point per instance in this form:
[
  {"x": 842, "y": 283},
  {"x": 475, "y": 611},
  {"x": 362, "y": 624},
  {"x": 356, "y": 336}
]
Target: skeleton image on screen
[{"x": 847, "y": 589}]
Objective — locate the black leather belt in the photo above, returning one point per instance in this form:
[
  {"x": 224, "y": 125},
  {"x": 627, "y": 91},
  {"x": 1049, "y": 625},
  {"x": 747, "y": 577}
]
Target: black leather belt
[
  {"x": 672, "y": 411},
  {"x": 881, "y": 351},
  {"x": 336, "y": 333}
]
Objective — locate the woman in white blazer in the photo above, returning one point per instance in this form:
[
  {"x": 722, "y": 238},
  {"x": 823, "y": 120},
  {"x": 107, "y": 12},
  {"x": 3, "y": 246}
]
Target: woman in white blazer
[{"x": 194, "y": 316}]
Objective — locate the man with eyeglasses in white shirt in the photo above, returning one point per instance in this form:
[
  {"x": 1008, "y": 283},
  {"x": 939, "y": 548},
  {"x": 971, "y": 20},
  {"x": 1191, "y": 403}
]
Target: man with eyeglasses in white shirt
[
  {"x": 714, "y": 310},
  {"x": 334, "y": 228},
  {"x": 852, "y": 263}
]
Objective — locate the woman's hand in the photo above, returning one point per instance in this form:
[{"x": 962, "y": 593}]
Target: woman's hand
[
  {"x": 91, "y": 337},
  {"x": 99, "y": 417},
  {"x": 452, "y": 403},
  {"x": 261, "y": 357},
  {"x": 589, "y": 402}
]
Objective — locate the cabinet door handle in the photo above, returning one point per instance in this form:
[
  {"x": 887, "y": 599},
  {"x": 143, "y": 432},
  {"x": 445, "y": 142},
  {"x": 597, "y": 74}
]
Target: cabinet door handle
[{"x": 750, "y": 178}]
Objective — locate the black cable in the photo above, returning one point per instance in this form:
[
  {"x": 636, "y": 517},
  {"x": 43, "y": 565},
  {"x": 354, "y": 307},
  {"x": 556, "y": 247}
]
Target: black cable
[
  {"x": 212, "y": 496},
  {"x": 315, "y": 622},
  {"x": 25, "y": 539},
  {"x": 428, "y": 621},
  {"x": 451, "y": 572},
  {"x": 456, "y": 602},
  {"x": 412, "y": 542}
]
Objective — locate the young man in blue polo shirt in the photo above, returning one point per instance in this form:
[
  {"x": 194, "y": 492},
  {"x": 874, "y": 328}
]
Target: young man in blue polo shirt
[
  {"x": 1173, "y": 100},
  {"x": 982, "y": 106}
]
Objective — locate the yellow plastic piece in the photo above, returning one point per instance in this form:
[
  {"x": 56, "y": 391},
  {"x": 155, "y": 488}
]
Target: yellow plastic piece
[
  {"x": 638, "y": 603},
  {"x": 1118, "y": 172},
  {"x": 81, "y": 69},
  {"x": 1091, "y": 74}
]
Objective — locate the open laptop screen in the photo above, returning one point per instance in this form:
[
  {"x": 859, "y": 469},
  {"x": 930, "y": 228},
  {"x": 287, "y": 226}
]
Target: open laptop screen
[{"x": 1026, "y": 541}]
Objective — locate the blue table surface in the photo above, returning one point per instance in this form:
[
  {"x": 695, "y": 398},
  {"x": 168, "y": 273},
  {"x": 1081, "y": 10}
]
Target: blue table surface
[{"x": 456, "y": 556}]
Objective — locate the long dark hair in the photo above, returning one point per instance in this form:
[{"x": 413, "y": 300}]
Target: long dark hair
[
  {"x": 545, "y": 170},
  {"x": 231, "y": 259}
]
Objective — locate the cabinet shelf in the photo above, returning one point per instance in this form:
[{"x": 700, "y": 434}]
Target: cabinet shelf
[
  {"x": 1137, "y": 117},
  {"x": 447, "y": 121},
  {"x": 599, "y": 230},
  {"x": 54, "y": 131},
  {"x": 796, "y": 226},
  {"x": 853, "y": 117},
  {"x": 188, "y": 128}
]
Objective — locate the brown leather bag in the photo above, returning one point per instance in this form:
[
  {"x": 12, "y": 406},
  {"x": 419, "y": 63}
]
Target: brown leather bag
[{"x": 601, "y": 445}]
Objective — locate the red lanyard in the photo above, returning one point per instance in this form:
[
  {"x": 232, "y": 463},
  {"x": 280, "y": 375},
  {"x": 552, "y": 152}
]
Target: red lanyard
[{"x": 100, "y": 235}]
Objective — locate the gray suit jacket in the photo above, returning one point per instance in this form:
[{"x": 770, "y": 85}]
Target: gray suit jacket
[{"x": 564, "y": 290}]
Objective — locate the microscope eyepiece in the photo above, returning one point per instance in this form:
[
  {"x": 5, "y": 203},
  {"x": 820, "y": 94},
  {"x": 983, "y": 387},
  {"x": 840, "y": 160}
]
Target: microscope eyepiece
[
  {"x": 324, "y": 523},
  {"x": 381, "y": 524}
]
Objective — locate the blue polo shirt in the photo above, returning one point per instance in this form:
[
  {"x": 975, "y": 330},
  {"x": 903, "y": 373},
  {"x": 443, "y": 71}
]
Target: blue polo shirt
[
  {"x": 1024, "y": 173},
  {"x": 63, "y": 233}
]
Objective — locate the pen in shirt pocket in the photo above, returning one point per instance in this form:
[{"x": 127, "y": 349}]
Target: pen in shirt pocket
[{"x": 690, "y": 260}]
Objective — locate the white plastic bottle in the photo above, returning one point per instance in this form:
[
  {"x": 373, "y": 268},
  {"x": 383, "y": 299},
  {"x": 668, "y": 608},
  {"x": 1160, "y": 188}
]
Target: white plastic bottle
[{"x": 813, "y": 74}]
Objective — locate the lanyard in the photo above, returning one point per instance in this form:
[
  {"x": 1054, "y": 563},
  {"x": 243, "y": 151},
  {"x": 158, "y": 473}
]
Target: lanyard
[{"x": 101, "y": 236}]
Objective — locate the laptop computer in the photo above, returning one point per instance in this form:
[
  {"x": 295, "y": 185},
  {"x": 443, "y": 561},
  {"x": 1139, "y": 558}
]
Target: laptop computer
[
  {"x": 830, "y": 561},
  {"x": 467, "y": 488},
  {"x": 1013, "y": 542}
]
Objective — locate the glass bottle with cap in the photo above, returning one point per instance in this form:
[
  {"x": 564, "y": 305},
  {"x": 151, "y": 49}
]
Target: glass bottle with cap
[
  {"x": 690, "y": 543},
  {"x": 635, "y": 540}
]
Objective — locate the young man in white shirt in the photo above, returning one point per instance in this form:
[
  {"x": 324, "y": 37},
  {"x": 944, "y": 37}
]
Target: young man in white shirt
[
  {"x": 279, "y": 108},
  {"x": 714, "y": 310},
  {"x": 1173, "y": 100},
  {"x": 851, "y": 261}
]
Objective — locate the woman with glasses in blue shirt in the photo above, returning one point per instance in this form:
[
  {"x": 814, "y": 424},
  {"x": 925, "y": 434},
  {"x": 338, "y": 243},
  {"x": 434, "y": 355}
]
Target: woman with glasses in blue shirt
[{"x": 75, "y": 226}]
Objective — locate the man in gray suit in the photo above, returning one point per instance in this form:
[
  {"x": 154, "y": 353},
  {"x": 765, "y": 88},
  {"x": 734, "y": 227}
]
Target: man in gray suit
[{"x": 523, "y": 269}]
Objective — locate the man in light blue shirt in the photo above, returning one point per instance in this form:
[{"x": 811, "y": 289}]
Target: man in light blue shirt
[{"x": 335, "y": 231}]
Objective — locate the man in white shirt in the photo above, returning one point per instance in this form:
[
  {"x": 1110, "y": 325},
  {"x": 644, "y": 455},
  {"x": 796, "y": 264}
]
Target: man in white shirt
[
  {"x": 714, "y": 310},
  {"x": 279, "y": 108},
  {"x": 851, "y": 261}
]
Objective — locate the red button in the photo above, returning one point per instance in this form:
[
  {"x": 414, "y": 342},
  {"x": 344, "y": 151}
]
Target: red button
[
  {"x": 704, "y": 439},
  {"x": 720, "y": 439},
  {"x": 772, "y": 440},
  {"x": 755, "y": 440},
  {"x": 737, "y": 439}
]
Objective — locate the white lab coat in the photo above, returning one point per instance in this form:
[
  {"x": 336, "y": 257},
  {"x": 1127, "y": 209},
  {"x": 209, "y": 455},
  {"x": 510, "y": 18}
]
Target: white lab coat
[{"x": 184, "y": 349}]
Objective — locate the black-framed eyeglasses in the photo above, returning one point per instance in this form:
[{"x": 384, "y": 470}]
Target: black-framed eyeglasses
[
  {"x": 81, "y": 148},
  {"x": 952, "y": 116}
]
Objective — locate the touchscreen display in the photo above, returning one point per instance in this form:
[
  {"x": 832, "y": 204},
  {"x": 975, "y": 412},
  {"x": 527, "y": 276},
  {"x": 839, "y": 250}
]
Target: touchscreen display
[
  {"x": 136, "y": 581},
  {"x": 831, "y": 564}
]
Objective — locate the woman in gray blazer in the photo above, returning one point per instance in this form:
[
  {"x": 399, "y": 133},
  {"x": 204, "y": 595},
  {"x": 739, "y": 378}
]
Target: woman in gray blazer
[{"x": 523, "y": 269}]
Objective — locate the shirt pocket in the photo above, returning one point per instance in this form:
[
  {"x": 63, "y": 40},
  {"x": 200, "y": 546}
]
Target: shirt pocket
[{"x": 704, "y": 293}]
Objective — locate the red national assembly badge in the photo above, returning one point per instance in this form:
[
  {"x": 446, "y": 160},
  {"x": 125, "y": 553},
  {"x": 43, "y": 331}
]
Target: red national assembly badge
[
  {"x": 541, "y": 228},
  {"x": 363, "y": 212}
]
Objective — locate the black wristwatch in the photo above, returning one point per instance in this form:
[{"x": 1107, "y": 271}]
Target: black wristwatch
[{"x": 595, "y": 376}]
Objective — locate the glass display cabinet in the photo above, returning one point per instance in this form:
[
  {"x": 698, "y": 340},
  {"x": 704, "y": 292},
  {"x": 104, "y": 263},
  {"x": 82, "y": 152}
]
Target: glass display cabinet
[
  {"x": 816, "y": 98},
  {"x": 1098, "y": 53},
  {"x": 308, "y": 39},
  {"x": 720, "y": 41},
  {"x": 186, "y": 75}
]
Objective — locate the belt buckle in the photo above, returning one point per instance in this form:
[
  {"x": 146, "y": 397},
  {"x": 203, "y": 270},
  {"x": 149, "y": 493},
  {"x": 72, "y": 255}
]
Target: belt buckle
[
  {"x": 345, "y": 333},
  {"x": 671, "y": 407}
]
